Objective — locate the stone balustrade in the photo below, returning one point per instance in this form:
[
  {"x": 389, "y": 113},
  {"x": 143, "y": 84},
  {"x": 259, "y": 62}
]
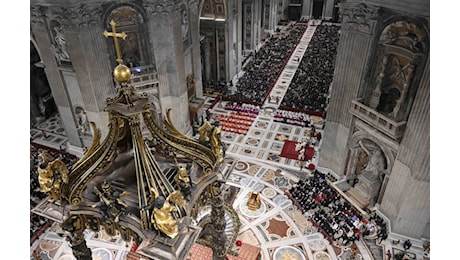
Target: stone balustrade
[{"x": 377, "y": 120}]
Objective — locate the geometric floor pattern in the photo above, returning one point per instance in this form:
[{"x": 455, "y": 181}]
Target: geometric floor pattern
[{"x": 280, "y": 230}]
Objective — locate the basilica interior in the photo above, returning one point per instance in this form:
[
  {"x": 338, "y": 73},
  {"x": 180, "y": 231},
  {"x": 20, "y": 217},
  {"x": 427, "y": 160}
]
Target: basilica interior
[{"x": 226, "y": 129}]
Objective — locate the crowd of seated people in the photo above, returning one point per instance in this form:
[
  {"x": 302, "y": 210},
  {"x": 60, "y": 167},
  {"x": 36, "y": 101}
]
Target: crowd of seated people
[
  {"x": 309, "y": 88},
  {"x": 217, "y": 87},
  {"x": 330, "y": 212},
  {"x": 37, "y": 222},
  {"x": 262, "y": 71},
  {"x": 236, "y": 122},
  {"x": 243, "y": 108},
  {"x": 292, "y": 117}
]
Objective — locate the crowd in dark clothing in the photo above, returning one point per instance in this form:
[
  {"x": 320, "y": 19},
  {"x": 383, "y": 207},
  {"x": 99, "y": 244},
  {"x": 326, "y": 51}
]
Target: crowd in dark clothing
[
  {"x": 382, "y": 232},
  {"x": 330, "y": 212},
  {"x": 263, "y": 70},
  {"x": 219, "y": 87},
  {"x": 37, "y": 222},
  {"x": 309, "y": 88}
]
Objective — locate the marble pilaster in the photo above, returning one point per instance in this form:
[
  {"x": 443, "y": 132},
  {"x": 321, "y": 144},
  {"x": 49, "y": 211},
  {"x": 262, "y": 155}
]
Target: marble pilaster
[
  {"x": 406, "y": 202},
  {"x": 164, "y": 25},
  {"x": 53, "y": 72},
  {"x": 196, "y": 58},
  {"x": 351, "y": 64},
  {"x": 328, "y": 9},
  {"x": 306, "y": 9}
]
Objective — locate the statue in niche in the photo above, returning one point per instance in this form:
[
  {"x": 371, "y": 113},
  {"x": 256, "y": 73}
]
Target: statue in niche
[
  {"x": 191, "y": 81},
  {"x": 184, "y": 24},
  {"x": 82, "y": 121},
  {"x": 60, "y": 47},
  {"x": 375, "y": 164},
  {"x": 51, "y": 173}
]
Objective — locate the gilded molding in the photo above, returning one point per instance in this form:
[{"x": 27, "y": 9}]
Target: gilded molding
[{"x": 361, "y": 17}]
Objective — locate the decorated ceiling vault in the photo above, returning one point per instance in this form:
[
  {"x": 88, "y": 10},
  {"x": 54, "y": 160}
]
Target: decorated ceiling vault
[{"x": 146, "y": 181}]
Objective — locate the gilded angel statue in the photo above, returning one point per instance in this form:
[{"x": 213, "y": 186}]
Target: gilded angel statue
[{"x": 51, "y": 173}]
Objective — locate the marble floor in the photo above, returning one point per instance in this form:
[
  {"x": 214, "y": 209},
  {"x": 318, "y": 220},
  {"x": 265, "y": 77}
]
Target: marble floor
[{"x": 278, "y": 228}]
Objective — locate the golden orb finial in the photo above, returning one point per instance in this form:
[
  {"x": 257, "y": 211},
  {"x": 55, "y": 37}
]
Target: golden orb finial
[{"x": 122, "y": 73}]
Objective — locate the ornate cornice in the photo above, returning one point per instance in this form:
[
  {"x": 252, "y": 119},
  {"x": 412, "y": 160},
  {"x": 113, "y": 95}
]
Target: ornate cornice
[
  {"x": 193, "y": 4},
  {"x": 161, "y": 8},
  {"x": 359, "y": 17},
  {"x": 37, "y": 15},
  {"x": 80, "y": 17}
]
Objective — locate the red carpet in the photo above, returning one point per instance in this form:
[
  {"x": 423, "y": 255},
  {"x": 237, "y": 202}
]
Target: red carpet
[{"x": 289, "y": 151}]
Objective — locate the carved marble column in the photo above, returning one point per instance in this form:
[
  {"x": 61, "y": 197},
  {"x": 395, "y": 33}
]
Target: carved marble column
[
  {"x": 74, "y": 226},
  {"x": 306, "y": 9},
  {"x": 164, "y": 26},
  {"x": 218, "y": 222},
  {"x": 400, "y": 107},
  {"x": 248, "y": 26},
  {"x": 328, "y": 9},
  {"x": 93, "y": 69},
  {"x": 206, "y": 53},
  {"x": 375, "y": 98},
  {"x": 195, "y": 34},
  {"x": 40, "y": 19}
]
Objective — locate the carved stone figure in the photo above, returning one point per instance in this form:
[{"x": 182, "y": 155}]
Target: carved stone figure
[
  {"x": 51, "y": 173},
  {"x": 375, "y": 164},
  {"x": 82, "y": 121},
  {"x": 184, "y": 22},
  {"x": 61, "y": 45}
]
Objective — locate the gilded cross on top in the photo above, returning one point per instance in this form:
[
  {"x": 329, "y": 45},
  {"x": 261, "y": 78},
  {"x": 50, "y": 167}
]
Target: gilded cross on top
[{"x": 115, "y": 36}]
